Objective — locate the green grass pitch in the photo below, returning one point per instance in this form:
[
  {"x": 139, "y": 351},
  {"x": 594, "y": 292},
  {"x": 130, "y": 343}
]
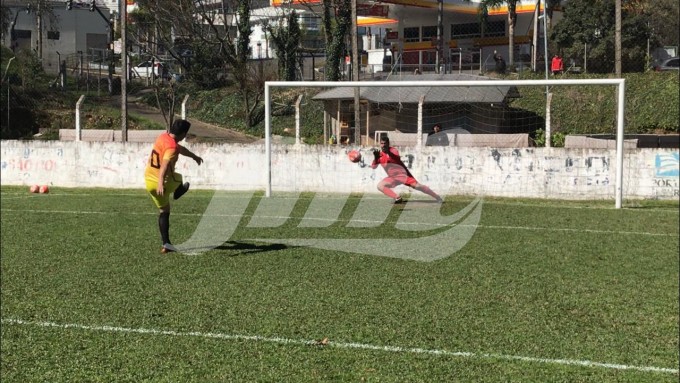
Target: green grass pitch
[{"x": 544, "y": 291}]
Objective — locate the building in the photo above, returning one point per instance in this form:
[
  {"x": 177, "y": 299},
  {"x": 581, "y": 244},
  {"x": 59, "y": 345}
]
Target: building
[
  {"x": 408, "y": 29},
  {"x": 480, "y": 110},
  {"x": 59, "y": 34}
]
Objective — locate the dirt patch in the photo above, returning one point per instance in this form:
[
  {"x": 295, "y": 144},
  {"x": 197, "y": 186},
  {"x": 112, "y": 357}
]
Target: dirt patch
[{"x": 200, "y": 131}]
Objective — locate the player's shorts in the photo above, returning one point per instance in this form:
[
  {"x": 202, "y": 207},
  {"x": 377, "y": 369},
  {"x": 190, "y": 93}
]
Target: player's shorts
[
  {"x": 393, "y": 181},
  {"x": 170, "y": 185}
]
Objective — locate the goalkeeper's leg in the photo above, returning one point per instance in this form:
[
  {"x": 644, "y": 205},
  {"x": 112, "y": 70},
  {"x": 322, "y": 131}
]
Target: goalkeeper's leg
[
  {"x": 426, "y": 189},
  {"x": 385, "y": 187}
]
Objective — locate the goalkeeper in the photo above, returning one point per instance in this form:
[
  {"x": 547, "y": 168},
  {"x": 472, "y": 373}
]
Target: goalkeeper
[
  {"x": 397, "y": 173},
  {"x": 161, "y": 179}
]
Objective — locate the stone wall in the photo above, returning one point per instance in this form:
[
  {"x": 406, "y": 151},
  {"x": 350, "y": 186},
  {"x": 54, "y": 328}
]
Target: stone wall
[{"x": 521, "y": 172}]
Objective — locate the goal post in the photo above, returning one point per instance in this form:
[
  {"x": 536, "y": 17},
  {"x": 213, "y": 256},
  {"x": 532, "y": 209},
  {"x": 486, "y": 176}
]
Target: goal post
[{"x": 619, "y": 118}]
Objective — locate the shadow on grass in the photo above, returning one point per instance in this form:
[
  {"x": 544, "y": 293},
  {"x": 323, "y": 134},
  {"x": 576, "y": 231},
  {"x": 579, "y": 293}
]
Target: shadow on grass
[
  {"x": 651, "y": 204},
  {"x": 244, "y": 248}
]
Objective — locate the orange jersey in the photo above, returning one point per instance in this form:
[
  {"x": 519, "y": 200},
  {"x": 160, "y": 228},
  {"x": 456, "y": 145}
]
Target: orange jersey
[{"x": 165, "y": 148}]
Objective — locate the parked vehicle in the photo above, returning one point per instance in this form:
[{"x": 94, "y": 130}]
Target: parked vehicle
[
  {"x": 672, "y": 63},
  {"x": 145, "y": 70}
]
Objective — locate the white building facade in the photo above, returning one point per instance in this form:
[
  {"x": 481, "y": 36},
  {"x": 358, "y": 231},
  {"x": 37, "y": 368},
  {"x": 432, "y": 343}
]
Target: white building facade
[
  {"x": 60, "y": 34},
  {"x": 408, "y": 29}
]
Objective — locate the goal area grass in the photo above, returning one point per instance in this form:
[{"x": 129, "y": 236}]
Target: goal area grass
[{"x": 544, "y": 290}]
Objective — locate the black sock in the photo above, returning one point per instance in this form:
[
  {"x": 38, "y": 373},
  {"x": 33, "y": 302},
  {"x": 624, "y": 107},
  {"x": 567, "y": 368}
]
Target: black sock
[{"x": 164, "y": 226}]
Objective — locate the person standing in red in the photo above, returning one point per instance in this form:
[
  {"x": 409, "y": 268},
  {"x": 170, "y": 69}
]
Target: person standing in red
[
  {"x": 162, "y": 180},
  {"x": 397, "y": 173},
  {"x": 557, "y": 65}
]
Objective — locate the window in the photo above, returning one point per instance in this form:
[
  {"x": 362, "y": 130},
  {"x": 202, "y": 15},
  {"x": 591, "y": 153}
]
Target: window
[
  {"x": 412, "y": 34},
  {"x": 53, "y": 35},
  {"x": 22, "y": 34},
  {"x": 471, "y": 30},
  {"x": 465, "y": 30},
  {"x": 309, "y": 22},
  {"x": 495, "y": 29},
  {"x": 429, "y": 33}
]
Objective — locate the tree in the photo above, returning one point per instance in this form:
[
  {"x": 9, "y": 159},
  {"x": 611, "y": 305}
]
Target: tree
[
  {"x": 336, "y": 17},
  {"x": 663, "y": 18},
  {"x": 550, "y": 7},
  {"x": 286, "y": 40},
  {"x": 592, "y": 23},
  {"x": 5, "y": 19},
  {"x": 218, "y": 30},
  {"x": 337, "y": 21},
  {"x": 484, "y": 7}
]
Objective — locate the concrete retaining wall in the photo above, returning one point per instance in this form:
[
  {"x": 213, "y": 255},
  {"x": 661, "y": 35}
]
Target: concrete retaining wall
[{"x": 527, "y": 172}]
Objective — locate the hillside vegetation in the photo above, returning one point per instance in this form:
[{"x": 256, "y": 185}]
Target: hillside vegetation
[
  {"x": 652, "y": 106},
  {"x": 31, "y": 103}
]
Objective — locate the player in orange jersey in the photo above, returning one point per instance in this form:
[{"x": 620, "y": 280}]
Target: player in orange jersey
[
  {"x": 161, "y": 178},
  {"x": 397, "y": 172}
]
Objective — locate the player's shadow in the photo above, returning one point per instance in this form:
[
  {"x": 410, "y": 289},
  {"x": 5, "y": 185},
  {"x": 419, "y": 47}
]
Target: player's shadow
[{"x": 245, "y": 248}]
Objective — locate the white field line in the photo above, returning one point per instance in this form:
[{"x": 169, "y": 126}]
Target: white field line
[
  {"x": 53, "y": 194},
  {"x": 509, "y": 202},
  {"x": 430, "y": 224},
  {"x": 346, "y": 345}
]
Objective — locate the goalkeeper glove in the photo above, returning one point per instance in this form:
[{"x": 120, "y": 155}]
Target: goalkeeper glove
[{"x": 376, "y": 154}]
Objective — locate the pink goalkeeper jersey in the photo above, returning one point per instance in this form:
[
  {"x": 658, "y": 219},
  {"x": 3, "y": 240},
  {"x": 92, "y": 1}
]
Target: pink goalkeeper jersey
[{"x": 392, "y": 163}]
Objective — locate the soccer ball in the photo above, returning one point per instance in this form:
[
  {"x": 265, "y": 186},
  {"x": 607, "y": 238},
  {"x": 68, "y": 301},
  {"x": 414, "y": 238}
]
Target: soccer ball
[
  {"x": 34, "y": 189},
  {"x": 44, "y": 189},
  {"x": 354, "y": 156}
]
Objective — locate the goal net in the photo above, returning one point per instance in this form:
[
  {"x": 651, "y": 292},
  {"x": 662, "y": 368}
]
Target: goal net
[{"x": 496, "y": 137}]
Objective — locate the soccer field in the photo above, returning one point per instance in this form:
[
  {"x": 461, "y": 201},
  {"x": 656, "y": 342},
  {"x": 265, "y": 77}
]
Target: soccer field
[{"x": 541, "y": 291}]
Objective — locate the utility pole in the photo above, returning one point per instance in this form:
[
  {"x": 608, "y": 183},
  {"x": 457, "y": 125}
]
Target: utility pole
[
  {"x": 355, "y": 76},
  {"x": 440, "y": 36},
  {"x": 534, "y": 41},
  {"x": 109, "y": 21},
  {"x": 12, "y": 34},
  {"x": 617, "y": 40},
  {"x": 548, "y": 95},
  {"x": 40, "y": 32},
  {"x": 39, "y": 22},
  {"x": 124, "y": 70}
]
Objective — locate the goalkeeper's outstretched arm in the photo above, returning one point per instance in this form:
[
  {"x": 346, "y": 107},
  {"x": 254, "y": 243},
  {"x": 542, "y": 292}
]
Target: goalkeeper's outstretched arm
[{"x": 376, "y": 159}]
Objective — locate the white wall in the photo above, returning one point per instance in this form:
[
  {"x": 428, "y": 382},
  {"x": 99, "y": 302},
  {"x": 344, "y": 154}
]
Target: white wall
[{"x": 527, "y": 172}]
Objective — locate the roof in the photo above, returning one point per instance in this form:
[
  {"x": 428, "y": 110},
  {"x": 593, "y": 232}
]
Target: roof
[{"x": 496, "y": 94}]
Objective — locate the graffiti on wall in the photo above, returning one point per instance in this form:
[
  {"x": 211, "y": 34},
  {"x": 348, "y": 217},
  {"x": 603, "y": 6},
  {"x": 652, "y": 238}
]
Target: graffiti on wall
[
  {"x": 590, "y": 171},
  {"x": 509, "y": 169},
  {"x": 29, "y": 163}
]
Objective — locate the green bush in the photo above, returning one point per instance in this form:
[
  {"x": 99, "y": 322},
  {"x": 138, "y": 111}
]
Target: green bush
[
  {"x": 556, "y": 139},
  {"x": 224, "y": 107},
  {"x": 652, "y": 104}
]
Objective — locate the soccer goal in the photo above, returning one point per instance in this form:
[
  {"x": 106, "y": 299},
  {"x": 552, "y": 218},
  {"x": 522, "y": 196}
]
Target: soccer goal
[{"x": 506, "y": 119}]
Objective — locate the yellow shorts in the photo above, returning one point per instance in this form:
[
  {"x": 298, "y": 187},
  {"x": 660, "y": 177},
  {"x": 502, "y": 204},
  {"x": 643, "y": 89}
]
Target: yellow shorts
[{"x": 170, "y": 185}]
